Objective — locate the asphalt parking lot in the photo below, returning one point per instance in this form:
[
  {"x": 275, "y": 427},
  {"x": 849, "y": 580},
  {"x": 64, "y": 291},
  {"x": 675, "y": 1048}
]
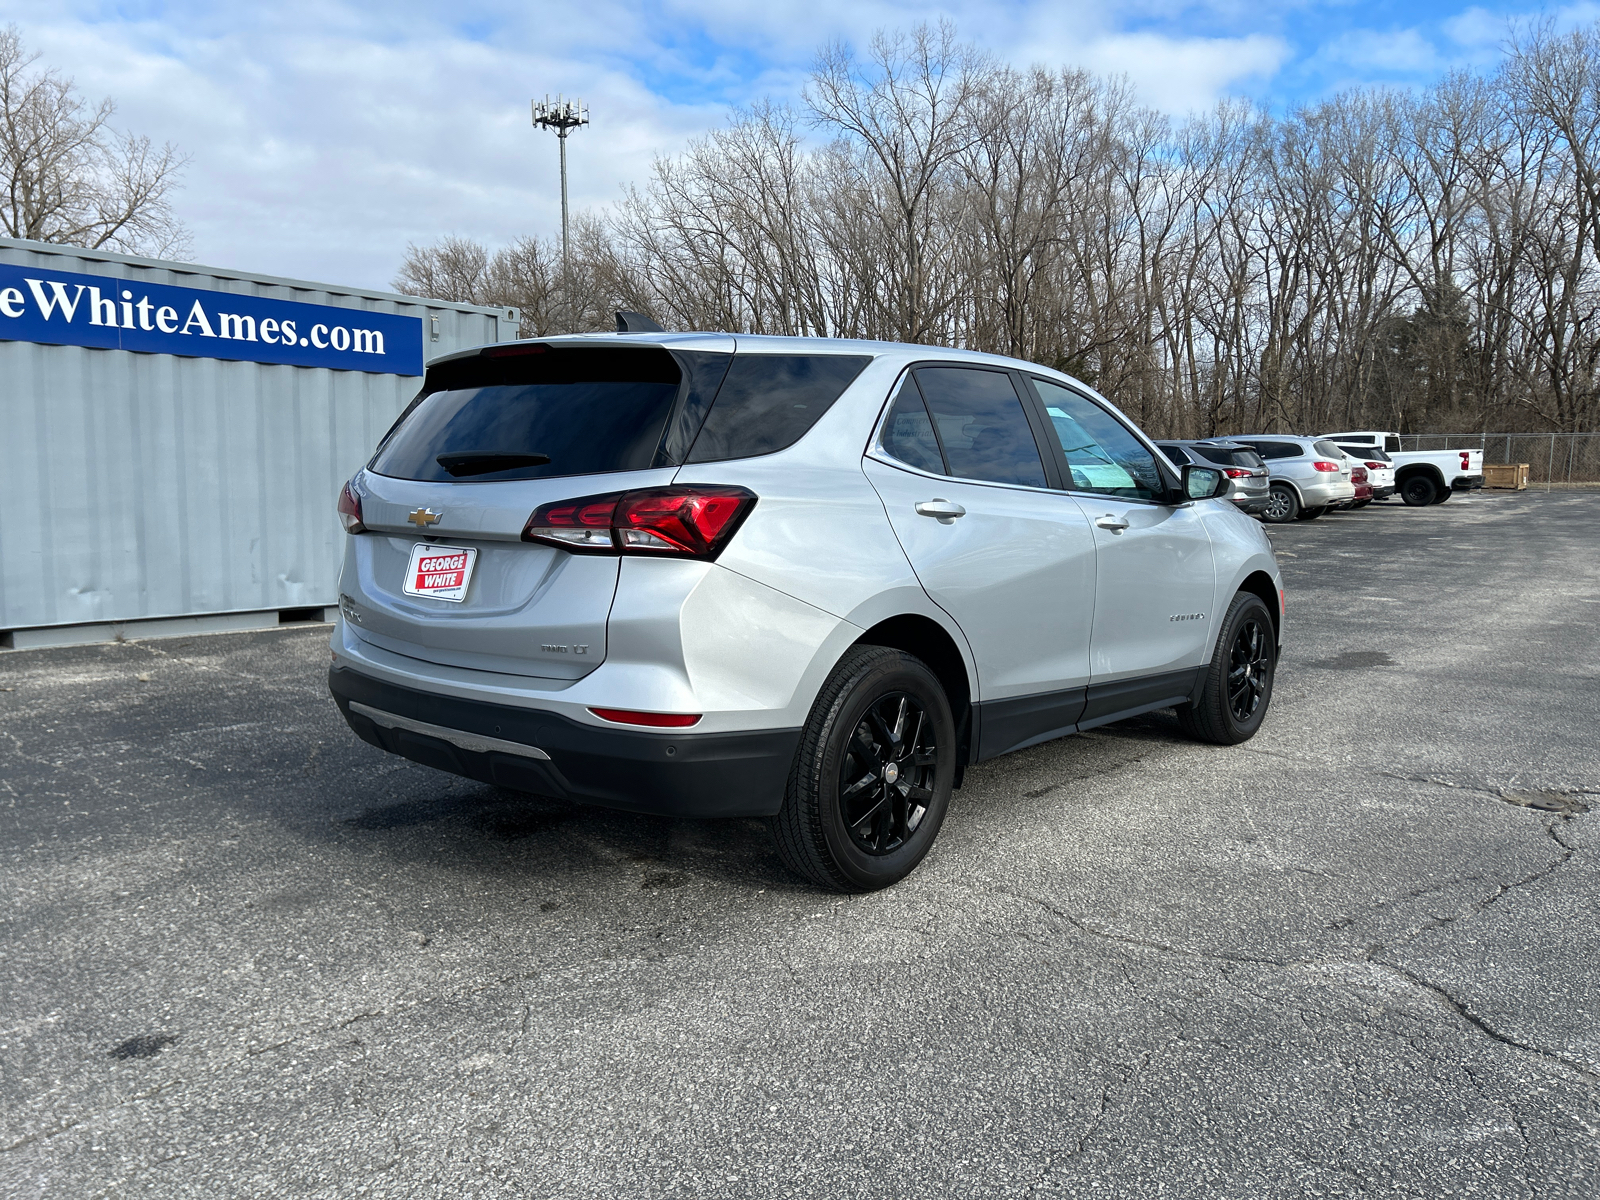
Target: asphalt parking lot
[{"x": 245, "y": 954}]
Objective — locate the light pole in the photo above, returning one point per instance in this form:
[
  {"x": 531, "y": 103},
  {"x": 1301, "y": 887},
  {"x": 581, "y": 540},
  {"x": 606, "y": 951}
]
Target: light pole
[{"x": 563, "y": 116}]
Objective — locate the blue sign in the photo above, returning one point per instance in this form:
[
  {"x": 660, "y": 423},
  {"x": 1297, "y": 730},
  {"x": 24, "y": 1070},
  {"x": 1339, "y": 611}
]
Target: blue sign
[{"x": 65, "y": 309}]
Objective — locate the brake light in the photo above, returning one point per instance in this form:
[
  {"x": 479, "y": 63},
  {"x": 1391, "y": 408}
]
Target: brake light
[
  {"x": 350, "y": 510},
  {"x": 1236, "y": 473},
  {"x": 626, "y": 716},
  {"x": 1371, "y": 466},
  {"x": 1324, "y": 465},
  {"x": 1358, "y": 475},
  {"x": 694, "y": 522},
  {"x": 1466, "y": 459}
]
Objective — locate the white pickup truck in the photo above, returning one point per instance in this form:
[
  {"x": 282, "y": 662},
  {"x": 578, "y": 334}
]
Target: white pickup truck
[{"x": 1421, "y": 476}]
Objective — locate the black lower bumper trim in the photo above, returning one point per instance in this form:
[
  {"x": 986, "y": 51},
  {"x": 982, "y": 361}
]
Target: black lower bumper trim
[{"x": 682, "y": 774}]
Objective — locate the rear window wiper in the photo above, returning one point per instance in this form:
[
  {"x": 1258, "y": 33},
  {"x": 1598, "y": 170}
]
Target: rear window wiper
[{"x": 485, "y": 462}]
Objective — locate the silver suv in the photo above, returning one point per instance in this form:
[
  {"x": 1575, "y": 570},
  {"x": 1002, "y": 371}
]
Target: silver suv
[
  {"x": 797, "y": 579},
  {"x": 1249, "y": 480},
  {"x": 1309, "y": 476}
]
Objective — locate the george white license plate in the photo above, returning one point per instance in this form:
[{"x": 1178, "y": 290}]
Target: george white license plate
[{"x": 441, "y": 572}]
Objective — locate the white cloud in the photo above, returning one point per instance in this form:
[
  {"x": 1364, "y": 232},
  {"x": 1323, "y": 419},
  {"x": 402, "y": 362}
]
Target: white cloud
[
  {"x": 1399, "y": 50},
  {"x": 1179, "y": 75},
  {"x": 326, "y": 135}
]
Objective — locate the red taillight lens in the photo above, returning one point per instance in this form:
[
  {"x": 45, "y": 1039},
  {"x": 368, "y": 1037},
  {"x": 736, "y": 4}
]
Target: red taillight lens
[
  {"x": 625, "y": 716},
  {"x": 1358, "y": 475},
  {"x": 1466, "y": 459},
  {"x": 1324, "y": 465},
  {"x": 1374, "y": 466},
  {"x": 582, "y": 525},
  {"x": 693, "y": 521},
  {"x": 1236, "y": 473},
  {"x": 350, "y": 510}
]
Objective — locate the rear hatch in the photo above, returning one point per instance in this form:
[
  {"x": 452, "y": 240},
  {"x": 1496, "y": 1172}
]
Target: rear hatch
[{"x": 493, "y": 436}]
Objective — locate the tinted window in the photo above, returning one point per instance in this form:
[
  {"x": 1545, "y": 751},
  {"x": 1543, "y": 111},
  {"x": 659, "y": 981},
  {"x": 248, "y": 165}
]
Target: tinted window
[
  {"x": 981, "y": 425},
  {"x": 1271, "y": 450},
  {"x": 908, "y": 432},
  {"x": 767, "y": 402},
  {"x": 1102, "y": 454},
  {"x": 1176, "y": 454},
  {"x": 584, "y": 410},
  {"x": 1228, "y": 458},
  {"x": 1392, "y": 445},
  {"x": 1367, "y": 453},
  {"x": 1328, "y": 448},
  {"x": 1360, "y": 441}
]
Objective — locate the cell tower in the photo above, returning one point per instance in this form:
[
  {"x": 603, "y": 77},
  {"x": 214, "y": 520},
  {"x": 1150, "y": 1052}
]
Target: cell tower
[{"x": 563, "y": 116}]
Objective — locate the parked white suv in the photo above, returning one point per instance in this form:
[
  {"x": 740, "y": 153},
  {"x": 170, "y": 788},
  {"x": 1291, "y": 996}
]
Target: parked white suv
[{"x": 798, "y": 579}]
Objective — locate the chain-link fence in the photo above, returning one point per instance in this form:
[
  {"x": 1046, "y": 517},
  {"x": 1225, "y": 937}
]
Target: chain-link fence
[{"x": 1551, "y": 457}]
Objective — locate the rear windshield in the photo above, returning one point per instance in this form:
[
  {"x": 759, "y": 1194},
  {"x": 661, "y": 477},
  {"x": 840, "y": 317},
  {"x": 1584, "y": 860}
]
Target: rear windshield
[
  {"x": 1228, "y": 458},
  {"x": 536, "y": 414},
  {"x": 1367, "y": 453},
  {"x": 767, "y": 402}
]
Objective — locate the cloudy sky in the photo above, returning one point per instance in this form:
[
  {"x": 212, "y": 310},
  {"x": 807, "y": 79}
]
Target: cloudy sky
[{"x": 327, "y": 134}]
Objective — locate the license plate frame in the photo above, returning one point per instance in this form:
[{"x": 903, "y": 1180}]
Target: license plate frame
[{"x": 445, "y": 580}]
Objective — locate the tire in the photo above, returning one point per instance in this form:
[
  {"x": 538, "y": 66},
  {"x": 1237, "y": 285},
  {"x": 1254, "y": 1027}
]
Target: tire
[
  {"x": 1419, "y": 491},
  {"x": 1282, "y": 505},
  {"x": 1311, "y": 514},
  {"x": 1238, "y": 679},
  {"x": 848, "y": 745}
]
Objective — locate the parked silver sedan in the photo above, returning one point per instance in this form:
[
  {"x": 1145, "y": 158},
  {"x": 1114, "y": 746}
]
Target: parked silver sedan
[
  {"x": 1309, "y": 475},
  {"x": 1248, "y": 477}
]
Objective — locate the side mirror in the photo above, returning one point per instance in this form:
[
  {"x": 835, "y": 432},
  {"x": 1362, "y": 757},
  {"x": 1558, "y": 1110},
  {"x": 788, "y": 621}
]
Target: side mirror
[{"x": 1202, "y": 483}]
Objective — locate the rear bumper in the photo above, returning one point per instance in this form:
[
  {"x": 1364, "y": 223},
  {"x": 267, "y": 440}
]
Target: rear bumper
[
  {"x": 1252, "y": 504},
  {"x": 1467, "y": 483},
  {"x": 1382, "y": 493},
  {"x": 674, "y": 773}
]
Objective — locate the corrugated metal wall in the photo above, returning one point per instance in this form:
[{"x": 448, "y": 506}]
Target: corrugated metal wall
[{"x": 150, "y": 485}]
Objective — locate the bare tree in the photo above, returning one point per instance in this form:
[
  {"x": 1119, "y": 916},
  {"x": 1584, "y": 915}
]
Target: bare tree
[{"x": 68, "y": 177}]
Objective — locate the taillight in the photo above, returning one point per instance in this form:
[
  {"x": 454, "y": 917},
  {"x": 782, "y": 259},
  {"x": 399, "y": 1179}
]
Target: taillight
[
  {"x": 1466, "y": 459},
  {"x": 1236, "y": 473},
  {"x": 350, "y": 510},
  {"x": 694, "y": 522},
  {"x": 1324, "y": 465},
  {"x": 1374, "y": 466},
  {"x": 626, "y": 716},
  {"x": 1358, "y": 475}
]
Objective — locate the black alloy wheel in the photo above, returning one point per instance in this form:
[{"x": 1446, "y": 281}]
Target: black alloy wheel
[
  {"x": 1419, "y": 491},
  {"x": 1236, "y": 687},
  {"x": 872, "y": 776},
  {"x": 886, "y": 774},
  {"x": 1249, "y": 667},
  {"x": 1282, "y": 505}
]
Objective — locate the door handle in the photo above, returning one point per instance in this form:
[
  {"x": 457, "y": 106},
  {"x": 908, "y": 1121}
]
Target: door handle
[
  {"x": 942, "y": 510},
  {"x": 1112, "y": 522}
]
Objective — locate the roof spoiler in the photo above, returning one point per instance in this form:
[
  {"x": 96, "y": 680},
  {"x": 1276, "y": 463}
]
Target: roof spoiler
[{"x": 632, "y": 322}]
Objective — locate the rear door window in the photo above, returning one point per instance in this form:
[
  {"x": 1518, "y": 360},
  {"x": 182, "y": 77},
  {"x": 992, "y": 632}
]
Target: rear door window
[
  {"x": 908, "y": 432},
  {"x": 768, "y": 402},
  {"x": 1102, "y": 454},
  {"x": 1176, "y": 454},
  {"x": 537, "y": 414},
  {"x": 1272, "y": 450},
  {"x": 981, "y": 425}
]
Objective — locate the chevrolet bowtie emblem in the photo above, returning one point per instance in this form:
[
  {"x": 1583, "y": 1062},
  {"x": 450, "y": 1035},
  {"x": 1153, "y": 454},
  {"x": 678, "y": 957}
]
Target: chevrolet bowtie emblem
[{"x": 424, "y": 516}]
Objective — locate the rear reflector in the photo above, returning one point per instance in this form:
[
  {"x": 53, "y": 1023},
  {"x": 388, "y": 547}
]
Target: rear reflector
[
  {"x": 691, "y": 522},
  {"x": 625, "y": 716},
  {"x": 350, "y": 510}
]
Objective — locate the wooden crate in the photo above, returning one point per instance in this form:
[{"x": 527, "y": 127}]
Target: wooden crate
[{"x": 1513, "y": 476}]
